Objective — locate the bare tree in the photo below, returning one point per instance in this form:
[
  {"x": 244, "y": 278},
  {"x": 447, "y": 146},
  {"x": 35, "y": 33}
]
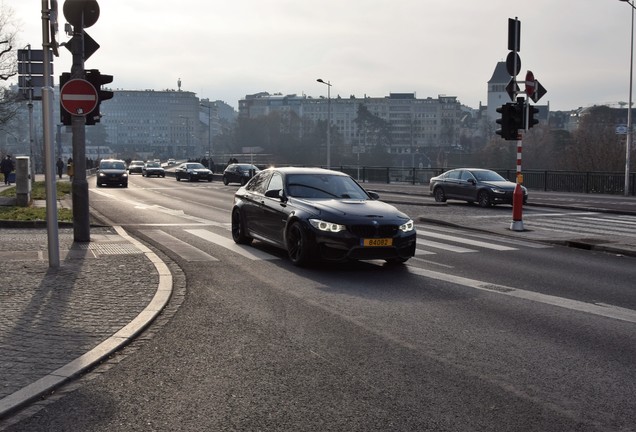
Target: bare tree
[{"x": 8, "y": 65}]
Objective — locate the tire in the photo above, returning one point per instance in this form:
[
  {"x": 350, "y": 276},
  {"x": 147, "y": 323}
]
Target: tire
[
  {"x": 225, "y": 181},
  {"x": 238, "y": 229},
  {"x": 243, "y": 181},
  {"x": 484, "y": 199},
  {"x": 439, "y": 194},
  {"x": 190, "y": 178},
  {"x": 298, "y": 245},
  {"x": 177, "y": 177},
  {"x": 125, "y": 185},
  {"x": 396, "y": 261}
]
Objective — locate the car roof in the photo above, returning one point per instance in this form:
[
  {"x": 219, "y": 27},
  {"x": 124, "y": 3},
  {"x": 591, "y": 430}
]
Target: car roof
[{"x": 306, "y": 170}]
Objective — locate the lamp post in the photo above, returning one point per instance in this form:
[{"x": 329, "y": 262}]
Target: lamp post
[
  {"x": 628, "y": 140},
  {"x": 328, "y": 84},
  {"x": 209, "y": 107}
]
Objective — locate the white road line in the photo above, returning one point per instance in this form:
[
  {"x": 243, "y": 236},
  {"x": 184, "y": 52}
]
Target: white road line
[
  {"x": 246, "y": 251},
  {"x": 444, "y": 246},
  {"x": 181, "y": 248},
  {"x": 600, "y": 309},
  {"x": 464, "y": 240}
]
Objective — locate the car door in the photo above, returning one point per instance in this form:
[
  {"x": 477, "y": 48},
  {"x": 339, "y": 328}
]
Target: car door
[
  {"x": 451, "y": 184},
  {"x": 466, "y": 188},
  {"x": 253, "y": 205},
  {"x": 274, "y": 209}
]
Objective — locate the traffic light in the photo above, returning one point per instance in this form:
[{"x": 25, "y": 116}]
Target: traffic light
[
  {"x": 519, "y": 115},
  {"x": 508, "y": 129},
  {"x": 65, "y": 117},
  {"x": 97, "y": 80},
  {"x": 531, "y": 113}
]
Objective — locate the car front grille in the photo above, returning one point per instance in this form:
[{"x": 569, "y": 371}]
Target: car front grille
[{"x": 374, "y": 231}]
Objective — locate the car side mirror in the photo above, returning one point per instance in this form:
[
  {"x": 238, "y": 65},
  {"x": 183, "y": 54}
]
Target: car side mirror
[
  {"x": 276, "y": 193},
  {"x": 373, "y": 195},
  {"x": 472, "y": 181}
]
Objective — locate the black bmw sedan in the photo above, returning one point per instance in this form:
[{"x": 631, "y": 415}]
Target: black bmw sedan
[
  {"x": 483, "y": 186},
  {"x": 192, "y": 171},
  {"x": 314, "y": 213}
]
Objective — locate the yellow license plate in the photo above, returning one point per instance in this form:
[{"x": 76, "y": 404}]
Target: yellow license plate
[{"x": 377, "y": 242}]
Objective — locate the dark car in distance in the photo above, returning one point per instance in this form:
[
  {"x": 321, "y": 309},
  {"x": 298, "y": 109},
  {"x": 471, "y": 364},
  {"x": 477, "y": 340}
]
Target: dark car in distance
[
  {"x": 153, "y": 169},
  {"x": 192, "y": 171},
  {"x": 318, "y": 214},
  {"x": 483, "y": 186},
  {"x": 239, "y": 173},
  {"x": 112, "y": 172}
]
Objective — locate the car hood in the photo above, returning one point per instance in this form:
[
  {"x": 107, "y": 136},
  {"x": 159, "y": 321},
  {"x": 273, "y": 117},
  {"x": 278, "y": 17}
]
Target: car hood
[
  {"x": 199, "y": 170},
  {"x": 504, "y": 185},
  {"x": 372, "y": 209},
  {"x": 112, "y": 171}
]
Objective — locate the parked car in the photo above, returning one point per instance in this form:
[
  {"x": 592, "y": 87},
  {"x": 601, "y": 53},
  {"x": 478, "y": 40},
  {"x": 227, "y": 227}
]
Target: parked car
[
  {"x": 483, "y": 186},
  {"x": 319, "y": 214},
  {"x": 136, "y": 166},
  {"x": 171, "y": 162},
  {"x": 153, "y": 169},
  {"x": 192, "y": 171},
  {"x": 112, "y": 172},
  {"x": 239, "y": 173}
]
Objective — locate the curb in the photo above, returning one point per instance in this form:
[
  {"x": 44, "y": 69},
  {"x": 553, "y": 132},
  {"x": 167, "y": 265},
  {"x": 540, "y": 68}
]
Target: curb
[{"x": 97, "y": 355}]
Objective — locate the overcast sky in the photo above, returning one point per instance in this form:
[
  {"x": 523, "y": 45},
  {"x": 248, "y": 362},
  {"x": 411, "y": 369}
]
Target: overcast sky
[{"x": 577, "y": 49}]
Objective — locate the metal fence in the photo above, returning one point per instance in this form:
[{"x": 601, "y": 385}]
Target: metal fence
[{"x": 556, "y": 181}]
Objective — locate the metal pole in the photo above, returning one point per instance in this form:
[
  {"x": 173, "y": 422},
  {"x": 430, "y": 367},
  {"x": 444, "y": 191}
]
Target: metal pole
[
  {"x": 81, "y": 219},
  {"x": 49, "y": 156},
  {"x": 328, "y": 84},
  {"x": 628, "y": 141}
]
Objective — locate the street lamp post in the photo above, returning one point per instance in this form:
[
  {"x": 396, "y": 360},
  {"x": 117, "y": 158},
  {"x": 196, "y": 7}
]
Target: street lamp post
[
  {"x": 328, "y": 84},
  {"x": 209, "y": 107},
  {"x": 628, "y": 140}
]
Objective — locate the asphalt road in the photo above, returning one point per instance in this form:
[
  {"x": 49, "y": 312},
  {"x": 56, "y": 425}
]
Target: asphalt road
[{"x": 498, "y": 334}]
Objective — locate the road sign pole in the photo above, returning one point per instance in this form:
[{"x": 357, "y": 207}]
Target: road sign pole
[
  {"x": 49, "y": 156},
  {"x": 81, "y": 219}
]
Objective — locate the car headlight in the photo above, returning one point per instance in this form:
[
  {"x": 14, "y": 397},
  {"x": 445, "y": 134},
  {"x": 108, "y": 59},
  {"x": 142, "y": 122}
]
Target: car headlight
[
  {"x": 326, "y": 226},
  {"x": 407, "y": 227},
  {"x": 124, "y": 175},
  {"x": 498, "y": 191}
]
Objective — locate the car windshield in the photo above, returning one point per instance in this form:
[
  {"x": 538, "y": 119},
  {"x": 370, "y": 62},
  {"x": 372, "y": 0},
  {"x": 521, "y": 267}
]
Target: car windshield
[
  {"x": 487, "y": 176},
  {"x": 195, "y": 166},
  {"x": 112, "y": 165},
  {"x": 152, "y": 165},
  {"x": 324, "y": 186}
]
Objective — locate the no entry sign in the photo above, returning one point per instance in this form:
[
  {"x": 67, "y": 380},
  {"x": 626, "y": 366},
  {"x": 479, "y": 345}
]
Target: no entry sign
[{"x": 78, "y": 97}]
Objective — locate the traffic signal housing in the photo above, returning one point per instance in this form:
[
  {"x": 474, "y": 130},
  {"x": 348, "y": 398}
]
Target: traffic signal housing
[
  {"x": 65, "y": 117},
  {"x": 97, "y": 79},
  {"x": 509, "y": 129},
  {"x": 532, "y": 111}
]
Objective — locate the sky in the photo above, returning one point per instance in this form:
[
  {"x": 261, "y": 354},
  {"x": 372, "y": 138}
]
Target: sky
[{"x": 579, "y": 50}]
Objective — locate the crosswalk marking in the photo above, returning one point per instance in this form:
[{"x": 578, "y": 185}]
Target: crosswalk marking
[
  {"x": 464, "y": 240},
  {"x": 587, "y": 225},
  {"x": 246, "y": 251},
  {"x": 447, "y": 247},
  {"x": 183, "y": 249}
]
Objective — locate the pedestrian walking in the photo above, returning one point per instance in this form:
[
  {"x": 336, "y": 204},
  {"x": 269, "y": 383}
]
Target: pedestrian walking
[
  {"x": 60, "y": 167},
  {"x": 6, "y": 166}
]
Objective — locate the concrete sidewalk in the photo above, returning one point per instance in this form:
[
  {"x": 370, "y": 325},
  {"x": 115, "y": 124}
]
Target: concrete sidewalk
[{"x": 58, "y": 322}]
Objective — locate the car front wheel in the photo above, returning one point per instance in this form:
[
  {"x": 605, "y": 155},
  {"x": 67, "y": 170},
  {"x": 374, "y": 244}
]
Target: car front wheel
[
  {"x": 439, "y": 194},
  {"x": 225, "y": 181},
  {"x": 298, "y": 245},
  {"x": 238, "y": 229},
  {"x": 484, "y": 199}
]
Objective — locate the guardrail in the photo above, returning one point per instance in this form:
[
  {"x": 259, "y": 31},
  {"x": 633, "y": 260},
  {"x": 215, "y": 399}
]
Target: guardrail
[{"x": 555, "y": 181}]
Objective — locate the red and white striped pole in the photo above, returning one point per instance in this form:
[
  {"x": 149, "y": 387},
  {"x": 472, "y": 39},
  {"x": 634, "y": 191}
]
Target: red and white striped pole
[{"x": 517, "y": 196}]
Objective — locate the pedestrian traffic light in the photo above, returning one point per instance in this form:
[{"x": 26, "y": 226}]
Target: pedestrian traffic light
[
  {"x": 532, "y": 111},
  {"x": 508, "y": 129},
  {"x": 65, "y": 116},
  {"x": 97, "y": 80}
]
